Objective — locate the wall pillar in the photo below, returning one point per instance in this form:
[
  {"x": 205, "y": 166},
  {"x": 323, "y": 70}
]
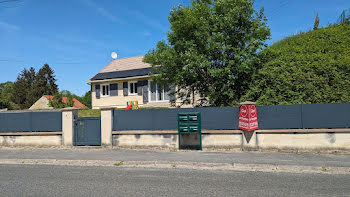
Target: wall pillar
[
  {"x": 69, "y": 115},
  {"x": 106, "y": 126}
]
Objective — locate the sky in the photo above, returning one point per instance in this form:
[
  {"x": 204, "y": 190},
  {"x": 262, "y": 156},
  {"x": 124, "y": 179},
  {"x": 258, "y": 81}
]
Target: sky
[{"x": 76, "y": 37}]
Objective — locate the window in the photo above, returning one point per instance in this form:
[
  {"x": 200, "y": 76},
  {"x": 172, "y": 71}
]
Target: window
[
  {"x": 105, "y": 90},
  {"x": 158, "y": 93},
  {"x": 133, "y": 88}
]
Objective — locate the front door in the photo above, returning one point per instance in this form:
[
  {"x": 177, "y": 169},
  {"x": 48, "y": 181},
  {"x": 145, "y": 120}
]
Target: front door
[{"x": 87, "y": 131}]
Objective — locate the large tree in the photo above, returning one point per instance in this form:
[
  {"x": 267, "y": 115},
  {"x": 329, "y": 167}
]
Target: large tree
[
  {"x": 22, "y": 86},
  {"x": 44, "y": 84},
  {"x": 30, "y": 86},
  {"x": 210, "y": 49}
]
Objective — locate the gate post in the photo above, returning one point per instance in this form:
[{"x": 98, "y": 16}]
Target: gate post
[
  {"x": 69, "y": 115},
  {"x": 106, "y": 126}
]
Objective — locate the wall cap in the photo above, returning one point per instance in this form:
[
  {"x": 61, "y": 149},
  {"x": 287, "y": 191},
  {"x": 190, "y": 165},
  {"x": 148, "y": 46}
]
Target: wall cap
[
  {"x": 107, "y": 108},
  {"x": 247, "y": 103},
  {"x": 69, "y": 109}
]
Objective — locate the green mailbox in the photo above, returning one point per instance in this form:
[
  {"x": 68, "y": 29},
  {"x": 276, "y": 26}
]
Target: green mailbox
[{"x": 189, "y": 123}]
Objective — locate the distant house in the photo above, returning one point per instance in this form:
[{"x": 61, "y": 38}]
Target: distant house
[
  {"x": 43, "y": 103},
  {"x": 128, "y": 79}
]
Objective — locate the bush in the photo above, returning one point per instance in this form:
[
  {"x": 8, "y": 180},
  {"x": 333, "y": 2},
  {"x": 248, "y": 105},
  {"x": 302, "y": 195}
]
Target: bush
[{"x": 312, "y": 67}]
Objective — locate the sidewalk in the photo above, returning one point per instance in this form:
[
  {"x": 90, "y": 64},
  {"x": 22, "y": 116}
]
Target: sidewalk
[{"x": 241, "y": 161}]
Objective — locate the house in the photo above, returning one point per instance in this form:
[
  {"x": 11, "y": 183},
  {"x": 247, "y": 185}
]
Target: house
[
  {"x": 128, "y": 79},
  {"x": 43, "y": 103}
]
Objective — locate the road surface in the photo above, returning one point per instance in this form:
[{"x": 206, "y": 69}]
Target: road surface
[{"x": 45, "y": 180}]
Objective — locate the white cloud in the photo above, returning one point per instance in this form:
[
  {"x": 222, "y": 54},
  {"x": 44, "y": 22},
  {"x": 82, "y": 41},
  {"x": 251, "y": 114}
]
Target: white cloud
[
  {"x": 9, "y": 27},
  {"x": 102, "y": 11},
  {"x": 146, "y": 20},
  {"x": 147, "y": 33}
]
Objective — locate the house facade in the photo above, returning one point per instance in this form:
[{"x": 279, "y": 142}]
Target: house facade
[{"x": 128, "y": 79}]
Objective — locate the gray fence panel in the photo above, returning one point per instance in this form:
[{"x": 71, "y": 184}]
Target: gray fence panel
[
  {"x": 221, "y": 118},
  {"x": 279, "y": 117},
  {"x": 332, "y": 115},
  {"x": 30, "y": 121},
  {"x": 15, "y": 122},
  {"x": 47, "y": 121},
  {"x": 132, "y": 120}
]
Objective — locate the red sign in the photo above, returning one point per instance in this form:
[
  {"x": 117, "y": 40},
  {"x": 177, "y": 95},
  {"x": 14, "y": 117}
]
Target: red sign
[{"x": 248, "y": 118}]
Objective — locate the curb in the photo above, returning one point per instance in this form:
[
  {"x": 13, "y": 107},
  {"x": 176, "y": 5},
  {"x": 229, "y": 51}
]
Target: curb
[{"x": 184, "y": 165}]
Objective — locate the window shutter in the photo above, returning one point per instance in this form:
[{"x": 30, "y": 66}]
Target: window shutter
[
  {"x": 97, "y": 89},
  {"x": 145, "y": 91},
  {"x": 113, "y": 89},
  {"x": 125, "y": 88},
  {"x": 139, "y": 87}
]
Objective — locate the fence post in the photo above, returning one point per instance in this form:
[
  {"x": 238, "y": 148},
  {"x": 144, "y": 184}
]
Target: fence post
[
  {"x": 69, "y": 116},
  {"x": 106, "y": 126}
]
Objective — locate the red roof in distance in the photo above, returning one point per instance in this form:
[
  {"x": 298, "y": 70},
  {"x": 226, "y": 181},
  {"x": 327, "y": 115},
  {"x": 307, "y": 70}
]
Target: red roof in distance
[{"x": 76, "y": 104}]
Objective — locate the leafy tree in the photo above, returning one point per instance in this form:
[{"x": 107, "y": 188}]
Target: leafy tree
[
  {"x": 316, "y": 22},
  {"x": 44, "y": 84},
  {"x": 210, "y": 49},
  {"x": 6, "y": 93},
  {"x": 22, "y": 88},
  {"x": 312, "y": 67},
  {"x": 30, "y": 86},
  {"x": 57, "y": 101},
  {"x": 86, "y": 99}
]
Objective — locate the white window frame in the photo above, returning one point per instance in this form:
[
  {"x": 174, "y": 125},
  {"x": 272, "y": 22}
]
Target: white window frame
[
  {"x": 149, "y": 94},
  {"x": 135, "y": 88},
  {"x": 108, "y": 88}
]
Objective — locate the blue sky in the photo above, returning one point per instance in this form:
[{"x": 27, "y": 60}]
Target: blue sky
[{"x": 76, "y": 37}]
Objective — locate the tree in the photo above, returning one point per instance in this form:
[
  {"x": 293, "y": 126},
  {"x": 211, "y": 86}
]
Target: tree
[
  {"x": 210, "y": 49},
  {"x": 30, "y": 86},
  {"x": 312, "y": 67},
  {"x": 22, "y": 87},
  {"x": 58, "y": 102},
  {"x": 316, "y": 22},
  {"x": 6, "y": 93},
  {"x": 86, "y": 99},
  {"x": 44, "y": 84}
]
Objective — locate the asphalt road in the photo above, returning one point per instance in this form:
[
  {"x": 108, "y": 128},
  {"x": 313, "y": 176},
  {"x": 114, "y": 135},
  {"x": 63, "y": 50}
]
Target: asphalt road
[
  {"x": 273, "y": 158},
  {"x": 42, "y": 180}
]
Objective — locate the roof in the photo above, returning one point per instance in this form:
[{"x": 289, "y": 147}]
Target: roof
[
  {"x": 123, "y": 74},
  {"x": 129, "y": 63},
  {"x": 124, "y": 68},
  {"x": 76, "y": 104}
]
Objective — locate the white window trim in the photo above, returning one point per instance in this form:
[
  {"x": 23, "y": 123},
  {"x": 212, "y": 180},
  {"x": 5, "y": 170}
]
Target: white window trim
[
  {"x": 101, "y": 90},
  {"x": 149, "y": 94},
  {"x": 129, "y": 88}
]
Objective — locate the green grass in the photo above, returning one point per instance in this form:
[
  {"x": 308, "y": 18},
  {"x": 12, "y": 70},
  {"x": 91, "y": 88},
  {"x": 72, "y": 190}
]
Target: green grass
[
  {"x": 118, "y": 163},
  {"x": 89, "y": 113}
]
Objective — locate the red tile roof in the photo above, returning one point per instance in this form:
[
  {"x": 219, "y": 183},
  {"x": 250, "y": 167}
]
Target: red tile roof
[{"x": 77, "y": 104}]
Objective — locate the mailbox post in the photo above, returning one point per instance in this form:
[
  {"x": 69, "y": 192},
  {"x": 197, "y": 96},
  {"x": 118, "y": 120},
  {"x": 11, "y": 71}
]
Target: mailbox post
[
  {"x": 248, "y": 116},
  {"x": 189, "y": 123}
]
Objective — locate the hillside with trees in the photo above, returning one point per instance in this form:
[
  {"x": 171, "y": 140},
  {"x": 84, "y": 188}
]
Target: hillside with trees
[
  {"x": 31, "y": 85},
  {"x": 312, "y": 67}
]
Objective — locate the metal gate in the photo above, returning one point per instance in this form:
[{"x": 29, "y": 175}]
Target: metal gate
[{"x": 87, "y": 131}]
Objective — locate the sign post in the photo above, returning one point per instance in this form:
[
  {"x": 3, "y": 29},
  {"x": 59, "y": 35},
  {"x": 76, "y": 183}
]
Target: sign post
[{"x": 248, "y": 117}]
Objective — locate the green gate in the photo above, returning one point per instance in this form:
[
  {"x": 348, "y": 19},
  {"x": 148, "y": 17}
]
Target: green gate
[{"x": 87, "y": 131}]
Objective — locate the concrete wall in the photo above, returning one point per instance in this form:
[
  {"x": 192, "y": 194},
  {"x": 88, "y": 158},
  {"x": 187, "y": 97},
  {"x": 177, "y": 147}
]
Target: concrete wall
[
  {"x": 54, "y": 140},
  {"x": 162, "y": 140},
  {"x": 304, "y": 141},
  {"x": 312, "y": 141}
]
